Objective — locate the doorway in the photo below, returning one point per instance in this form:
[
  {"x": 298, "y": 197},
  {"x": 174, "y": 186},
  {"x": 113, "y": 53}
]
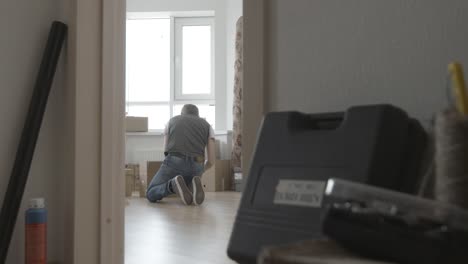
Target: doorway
[{"x": 179, "y": 52}]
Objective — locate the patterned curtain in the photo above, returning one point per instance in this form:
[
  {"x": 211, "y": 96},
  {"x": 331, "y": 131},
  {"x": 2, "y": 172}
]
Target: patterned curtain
[{"x": 237, "y": 105}]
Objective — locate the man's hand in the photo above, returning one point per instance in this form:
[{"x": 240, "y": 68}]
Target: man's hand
[
  {"x": 210, "y": 154},
  {"x": 208, "y": 165}
]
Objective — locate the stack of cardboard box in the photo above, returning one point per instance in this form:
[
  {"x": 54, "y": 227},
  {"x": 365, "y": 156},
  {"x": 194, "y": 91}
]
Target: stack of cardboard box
[
  {"x": 218, "y": 178},
  {"x": 129, "y": 182},
  {"x": 132, "y": 179}
]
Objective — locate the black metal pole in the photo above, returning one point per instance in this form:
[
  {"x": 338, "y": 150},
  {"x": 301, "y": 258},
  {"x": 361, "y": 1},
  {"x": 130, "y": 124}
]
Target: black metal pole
[{"x": 24, "y": 154}]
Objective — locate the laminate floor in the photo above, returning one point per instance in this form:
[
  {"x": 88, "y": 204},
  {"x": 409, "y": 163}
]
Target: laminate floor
[{"x": 170, "y": 232}]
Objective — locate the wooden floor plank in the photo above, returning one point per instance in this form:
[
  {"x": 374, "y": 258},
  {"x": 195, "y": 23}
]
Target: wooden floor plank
[{"x": 170, "y": 232}]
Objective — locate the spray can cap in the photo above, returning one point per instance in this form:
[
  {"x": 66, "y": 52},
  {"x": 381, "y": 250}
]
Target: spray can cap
[{"x": 37, "y": 203}]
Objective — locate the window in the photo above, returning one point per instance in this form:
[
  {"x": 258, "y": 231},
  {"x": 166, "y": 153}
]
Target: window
[
  {"x": 194, "y": 58},
  {"x": 170, "y": 62}
]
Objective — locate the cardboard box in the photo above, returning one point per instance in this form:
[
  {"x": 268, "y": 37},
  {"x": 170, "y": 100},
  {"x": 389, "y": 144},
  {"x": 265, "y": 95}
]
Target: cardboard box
[
  {"x": 136, "y": 173},
  {"x": 129, "y": 182},
  {"x": 218, "y": 177},
  {"x": 143, "y": 187},
  {"x": 136, "y": 124},
  {"x": 151, "y": 168}
]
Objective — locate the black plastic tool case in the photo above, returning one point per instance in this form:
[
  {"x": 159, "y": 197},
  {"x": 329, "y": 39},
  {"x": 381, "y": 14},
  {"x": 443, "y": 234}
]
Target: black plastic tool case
[{"x": 377, "y": 144}]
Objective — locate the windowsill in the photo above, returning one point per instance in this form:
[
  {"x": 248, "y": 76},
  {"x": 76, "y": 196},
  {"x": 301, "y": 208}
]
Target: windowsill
[
  {"x": 149, "y": 133},
  {"x": 160, "y": 133}
]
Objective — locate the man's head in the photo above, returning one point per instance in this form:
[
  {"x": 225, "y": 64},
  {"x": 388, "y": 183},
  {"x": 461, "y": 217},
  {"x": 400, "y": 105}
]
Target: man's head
[{"x": 190, "y": 109}]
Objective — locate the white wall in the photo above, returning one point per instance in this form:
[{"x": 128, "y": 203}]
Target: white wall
[
  {"x": 326, "y": 55},
  {"x": 24, "y": 26},
  {"x": 233, "y": 12},
  {"x": 226, "y": 12}
]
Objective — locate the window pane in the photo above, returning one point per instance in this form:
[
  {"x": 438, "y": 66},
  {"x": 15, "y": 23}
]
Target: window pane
[
  {"x": 148, "y": 60},
  {"x": 196, "y": 60},
  {"x": 206, "y": 111},
  {"x": 158, "y": 115}
]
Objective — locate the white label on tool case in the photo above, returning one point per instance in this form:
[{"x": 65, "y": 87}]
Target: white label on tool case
[{"x": 299, "y": 193}]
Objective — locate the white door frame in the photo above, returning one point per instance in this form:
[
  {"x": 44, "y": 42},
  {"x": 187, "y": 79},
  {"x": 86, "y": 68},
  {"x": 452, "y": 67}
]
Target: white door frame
[{"x": 112, "y": 200}]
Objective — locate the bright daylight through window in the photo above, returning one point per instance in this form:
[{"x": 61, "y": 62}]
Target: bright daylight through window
[{"x": 169, "y": 63}]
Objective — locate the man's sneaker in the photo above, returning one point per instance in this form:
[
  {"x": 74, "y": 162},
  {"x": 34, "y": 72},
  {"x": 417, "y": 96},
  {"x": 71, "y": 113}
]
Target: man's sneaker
[
  {"x": 197, "y": 189},
  {"x": 179, "y": 187}
]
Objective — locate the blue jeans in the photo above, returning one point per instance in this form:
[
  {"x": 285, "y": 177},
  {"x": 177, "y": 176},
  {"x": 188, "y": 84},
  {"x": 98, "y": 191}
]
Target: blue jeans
[{"x": 171, "y": 167}]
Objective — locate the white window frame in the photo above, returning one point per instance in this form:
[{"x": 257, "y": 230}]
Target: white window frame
[
  {"x": 179, "y": 23},
  {"x": 176, "y": 96}
]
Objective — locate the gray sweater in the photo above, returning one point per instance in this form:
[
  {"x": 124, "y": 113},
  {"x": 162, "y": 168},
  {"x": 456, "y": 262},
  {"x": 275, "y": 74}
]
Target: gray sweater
[{"x": 187, "y": 134}]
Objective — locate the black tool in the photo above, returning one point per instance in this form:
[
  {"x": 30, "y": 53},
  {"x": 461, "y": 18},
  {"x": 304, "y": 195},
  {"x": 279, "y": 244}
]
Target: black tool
[{"x": 401, "y": 238}]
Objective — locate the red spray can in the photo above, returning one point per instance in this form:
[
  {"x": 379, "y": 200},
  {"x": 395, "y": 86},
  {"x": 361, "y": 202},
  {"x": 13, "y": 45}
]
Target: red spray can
[{"x": 36, "y": 232}]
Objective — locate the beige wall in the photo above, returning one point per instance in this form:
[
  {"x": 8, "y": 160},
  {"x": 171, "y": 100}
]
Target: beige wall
[
  {"x": 68, "y": 151},
  {"x": 24, "y": 26},
  {"x": 326, "y": 55}
]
